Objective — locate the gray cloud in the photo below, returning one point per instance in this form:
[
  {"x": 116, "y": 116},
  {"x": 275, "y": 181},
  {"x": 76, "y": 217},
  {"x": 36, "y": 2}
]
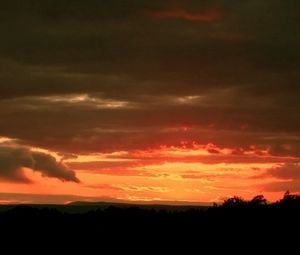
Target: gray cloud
[
  {"x": 14, "y": 158},
  {"x": 88, "y": 128},
  {"x": 243, "y": 65},
  {"x": 112, "y": 48}
]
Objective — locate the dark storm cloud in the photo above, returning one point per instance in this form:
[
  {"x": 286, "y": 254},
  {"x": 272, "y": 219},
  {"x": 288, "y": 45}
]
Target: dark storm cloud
[
  {"x": 240, "y": 57},
  {"x": 14, "y": 158}
]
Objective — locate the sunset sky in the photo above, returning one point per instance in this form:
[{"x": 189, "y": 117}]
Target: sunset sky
[{"x": 143, "y": 100}]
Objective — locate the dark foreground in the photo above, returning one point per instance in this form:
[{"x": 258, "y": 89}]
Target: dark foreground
[{"x": 234, "y": 222}]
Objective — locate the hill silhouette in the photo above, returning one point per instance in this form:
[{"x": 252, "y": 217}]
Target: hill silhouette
[{"x": 235, "y": 219}]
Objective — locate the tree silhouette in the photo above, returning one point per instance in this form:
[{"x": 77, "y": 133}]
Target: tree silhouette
[
  {"x": 290, "y": 199},
  {"x": 258, "y": 201},
  {"x": 234, "y": 202}
]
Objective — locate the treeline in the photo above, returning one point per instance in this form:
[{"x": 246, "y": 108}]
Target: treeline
[
  {"x": 235, "y": 214},
  {"x": 288, "y": 201}
]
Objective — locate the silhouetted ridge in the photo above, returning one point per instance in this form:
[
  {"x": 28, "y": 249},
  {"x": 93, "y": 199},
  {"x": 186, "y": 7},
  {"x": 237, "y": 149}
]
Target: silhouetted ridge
[{"x": 235, "y": 218}]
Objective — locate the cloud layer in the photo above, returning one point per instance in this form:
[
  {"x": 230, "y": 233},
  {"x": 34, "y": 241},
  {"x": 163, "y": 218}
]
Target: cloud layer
[
  {"x": 226, "y": 69},
  {"x": 14, "y": 158},
  {"x": 133, "y": 80},
  {"x": 288, "y": 175}
]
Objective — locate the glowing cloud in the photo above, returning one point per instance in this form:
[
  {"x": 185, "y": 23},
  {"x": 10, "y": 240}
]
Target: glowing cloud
[
  {"x": 14, "y": 158},
  {"x": 209, "y": 15}
]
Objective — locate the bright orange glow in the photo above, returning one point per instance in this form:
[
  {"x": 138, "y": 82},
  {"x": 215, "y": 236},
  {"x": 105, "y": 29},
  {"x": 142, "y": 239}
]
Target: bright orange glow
[{"x": 190, "y": 172}]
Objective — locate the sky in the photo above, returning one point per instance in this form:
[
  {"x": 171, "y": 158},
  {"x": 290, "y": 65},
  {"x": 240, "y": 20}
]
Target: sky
[{"x": 142, "y": 101}]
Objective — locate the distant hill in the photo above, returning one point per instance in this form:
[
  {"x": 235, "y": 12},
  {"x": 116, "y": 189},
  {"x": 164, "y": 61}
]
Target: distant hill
[
  {"x": 156, "y": 205},
  {"x": 139, "y": 203},
  {"x": 85, "y": 206}
]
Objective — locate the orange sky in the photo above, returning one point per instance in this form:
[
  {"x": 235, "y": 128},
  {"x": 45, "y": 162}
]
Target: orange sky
[{"x": 188, "y": 172}]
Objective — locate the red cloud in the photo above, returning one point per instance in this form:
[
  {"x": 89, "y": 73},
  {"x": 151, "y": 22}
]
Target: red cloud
[{"x": 209, "y": 15}]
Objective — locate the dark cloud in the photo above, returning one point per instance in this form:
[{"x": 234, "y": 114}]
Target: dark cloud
[
  {"x": 14, "y": 158},
  {"x": 210, "y": 15},
  {"x": 96, "y": 46},
  {"x": 84, "y": 127},
  {"x": 289, "y": 176},
  {"x": 139, "y": 74},
  {"x": 282, "y": 186},
  {"x": 286, "y": 171}
]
